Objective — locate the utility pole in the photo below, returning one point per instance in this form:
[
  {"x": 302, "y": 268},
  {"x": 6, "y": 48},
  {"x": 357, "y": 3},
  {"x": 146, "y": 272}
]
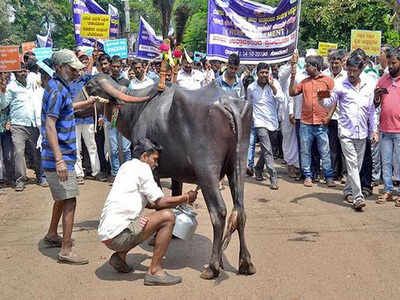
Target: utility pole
[{"x": 127, "y": 22}]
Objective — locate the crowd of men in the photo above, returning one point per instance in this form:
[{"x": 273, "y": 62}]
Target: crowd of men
[
  {"x": 332, "y": 120},
  {"x": 289, "y": 120}
]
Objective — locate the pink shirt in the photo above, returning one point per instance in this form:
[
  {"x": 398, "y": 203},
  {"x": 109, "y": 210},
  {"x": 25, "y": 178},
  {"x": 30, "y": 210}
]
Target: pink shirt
[{"x": 390, "y": 104}]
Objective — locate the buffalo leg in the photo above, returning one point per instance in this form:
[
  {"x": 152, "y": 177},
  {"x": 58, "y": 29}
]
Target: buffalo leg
[
  {"x": 237, "y": 220},
  {"x": 217, "y": 209}
]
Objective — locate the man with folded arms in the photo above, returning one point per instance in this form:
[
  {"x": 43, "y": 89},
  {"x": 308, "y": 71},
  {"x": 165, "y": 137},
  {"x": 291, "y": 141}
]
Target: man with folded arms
[{"x": 355, "y": 99}]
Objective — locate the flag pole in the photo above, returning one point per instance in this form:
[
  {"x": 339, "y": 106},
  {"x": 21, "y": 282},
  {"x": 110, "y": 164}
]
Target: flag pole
[{"x": 298, "y": 21}]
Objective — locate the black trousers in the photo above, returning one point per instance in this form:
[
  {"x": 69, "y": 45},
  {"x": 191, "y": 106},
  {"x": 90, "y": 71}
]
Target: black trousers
[
  {"x": 100, "y": 142},
  {"x": 337, "y": 157},
  {"x": 366, "y": 169}
]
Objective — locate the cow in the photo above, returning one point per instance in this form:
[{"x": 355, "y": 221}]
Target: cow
[{"x": 204, "y": 135}]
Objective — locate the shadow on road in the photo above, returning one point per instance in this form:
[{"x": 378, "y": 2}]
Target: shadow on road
[
  {"x": 325, "y": 197},
  {"x": 306, "y": 236},
  {"x": 51, "y": 252},
  {"x": 86, "y": 225},
  {"x": 181, "y": 254}
]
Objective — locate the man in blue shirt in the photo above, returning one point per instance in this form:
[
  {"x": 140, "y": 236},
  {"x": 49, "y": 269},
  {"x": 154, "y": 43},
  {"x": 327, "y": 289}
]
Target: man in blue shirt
[
  {"x": 229, "y": 80},
  {"x": 59, "y": 150}
]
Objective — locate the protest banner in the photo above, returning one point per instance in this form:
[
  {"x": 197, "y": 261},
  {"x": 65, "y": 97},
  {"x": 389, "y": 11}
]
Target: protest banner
[
  {"x": 148, "y": 43},
  {"x": 114, "y": 23},
  {"x": 28, "y": 46},
  {"x": 95, "y": 26},
  {"x": 80, "y": 7},
  {"x": 43, "y": 53},
  {"x": 9, "y": 58},
  {"x": 197, "y": 56},
  {"x": 116, "y": 47},
  {"x": 368, "y": 40},
  {"x": 256, "y": 32},
  {"x": 324, "y": 47}
]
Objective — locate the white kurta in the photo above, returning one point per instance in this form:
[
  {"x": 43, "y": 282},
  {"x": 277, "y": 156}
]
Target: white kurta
[{"x": 289, "y": 140}]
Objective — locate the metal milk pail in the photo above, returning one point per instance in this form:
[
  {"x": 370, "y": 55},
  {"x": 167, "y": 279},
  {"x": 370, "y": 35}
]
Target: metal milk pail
[{"x": 185, "y": 222}]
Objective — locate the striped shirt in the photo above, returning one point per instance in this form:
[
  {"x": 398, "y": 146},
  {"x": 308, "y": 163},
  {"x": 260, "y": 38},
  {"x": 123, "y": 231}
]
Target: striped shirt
[{"x": 57, "y": 103}]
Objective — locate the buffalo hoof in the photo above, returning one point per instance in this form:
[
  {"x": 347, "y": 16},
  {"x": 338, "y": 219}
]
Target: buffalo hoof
[
  {"x": 246, "y": 268},
  {"x": 209, "y": 274}
]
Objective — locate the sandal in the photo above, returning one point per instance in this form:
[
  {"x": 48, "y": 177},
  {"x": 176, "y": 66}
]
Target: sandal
[
  {"x": 348, "y": 198},
  {"x": 397, "y": 201},
  {"x": 53, "y": 243},
  {"x": 119, "y": 265},
  {"x": 384, "y": 198}
]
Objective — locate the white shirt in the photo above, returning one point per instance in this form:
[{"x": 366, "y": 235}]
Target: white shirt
[
  {"x": 137, "y": 84},
  {"x": 338, "y": 79},
  {"x": 265, "y": 104},
  {"x": 133, "y": 188},
  {"x": 356, "y": 108},
  {"x": 296, "y": 103},
  {"x": 190, "y": 81},
  {"x": 209, "y": 76}
]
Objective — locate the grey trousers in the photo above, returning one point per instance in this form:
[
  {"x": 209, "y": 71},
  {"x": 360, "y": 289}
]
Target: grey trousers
[
  {"x": 21, "y": 135},
  {"x": 266, "y": 152},
  {"x": 353, "y": 151}
]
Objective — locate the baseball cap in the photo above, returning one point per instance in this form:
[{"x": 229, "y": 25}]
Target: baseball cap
[{"x": 65, "y": 56}]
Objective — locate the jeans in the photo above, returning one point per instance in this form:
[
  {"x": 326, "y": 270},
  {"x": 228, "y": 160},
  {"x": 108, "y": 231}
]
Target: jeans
[
  {"x": 21, "y": 135},
  {"x": 266, "y": 153},
  {"x": 315, "y": 159},
  {"x": 114, "y": 155},
  {"x": 353, "y": 150},
  {"x": 376, "y": 161},
  {"x": 252, "y": 148},
  {"x": 390, "y": 144},
  {"x": 7, "y": 149},
  {"x": 309, "y": 133}
]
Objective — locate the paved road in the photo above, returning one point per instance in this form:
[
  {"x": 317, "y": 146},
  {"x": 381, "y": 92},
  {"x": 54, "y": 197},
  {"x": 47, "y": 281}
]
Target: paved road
[{"x": 306, "y": 244}]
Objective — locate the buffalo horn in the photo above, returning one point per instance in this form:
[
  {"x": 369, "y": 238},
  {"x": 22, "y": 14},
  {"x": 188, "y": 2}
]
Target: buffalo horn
[{"x": 115, "y": 93}]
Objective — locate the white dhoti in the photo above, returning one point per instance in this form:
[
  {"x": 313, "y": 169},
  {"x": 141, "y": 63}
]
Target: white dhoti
[{"x": 289, "y": 143}]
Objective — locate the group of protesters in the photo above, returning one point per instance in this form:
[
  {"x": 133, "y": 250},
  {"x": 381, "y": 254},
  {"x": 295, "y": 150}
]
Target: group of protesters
[{"x": 289, "y": 120}]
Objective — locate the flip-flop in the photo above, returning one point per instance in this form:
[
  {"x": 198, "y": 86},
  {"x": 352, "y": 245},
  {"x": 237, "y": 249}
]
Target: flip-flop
[
  {"x": 53, "y": 243},
  {"x": 396, "y": 201}
]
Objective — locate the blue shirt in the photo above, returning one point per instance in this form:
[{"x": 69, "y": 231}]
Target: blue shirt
[
  {"x": 76, "y": 87},
  {"x": 57, "y": 103},
  {"x": 237, "y": 86},
  {"x": 20, "y": 101}
]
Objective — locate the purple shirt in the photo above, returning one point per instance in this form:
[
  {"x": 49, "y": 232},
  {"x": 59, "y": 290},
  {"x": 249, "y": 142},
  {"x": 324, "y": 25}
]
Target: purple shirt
[{"x": 356, "y": 108}]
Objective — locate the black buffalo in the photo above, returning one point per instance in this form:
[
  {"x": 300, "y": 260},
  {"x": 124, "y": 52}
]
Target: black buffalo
[{"x": 204, "y": 135}]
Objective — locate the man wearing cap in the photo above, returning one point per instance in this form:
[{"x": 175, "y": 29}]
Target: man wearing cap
[{"x": 59, "y": 150}]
